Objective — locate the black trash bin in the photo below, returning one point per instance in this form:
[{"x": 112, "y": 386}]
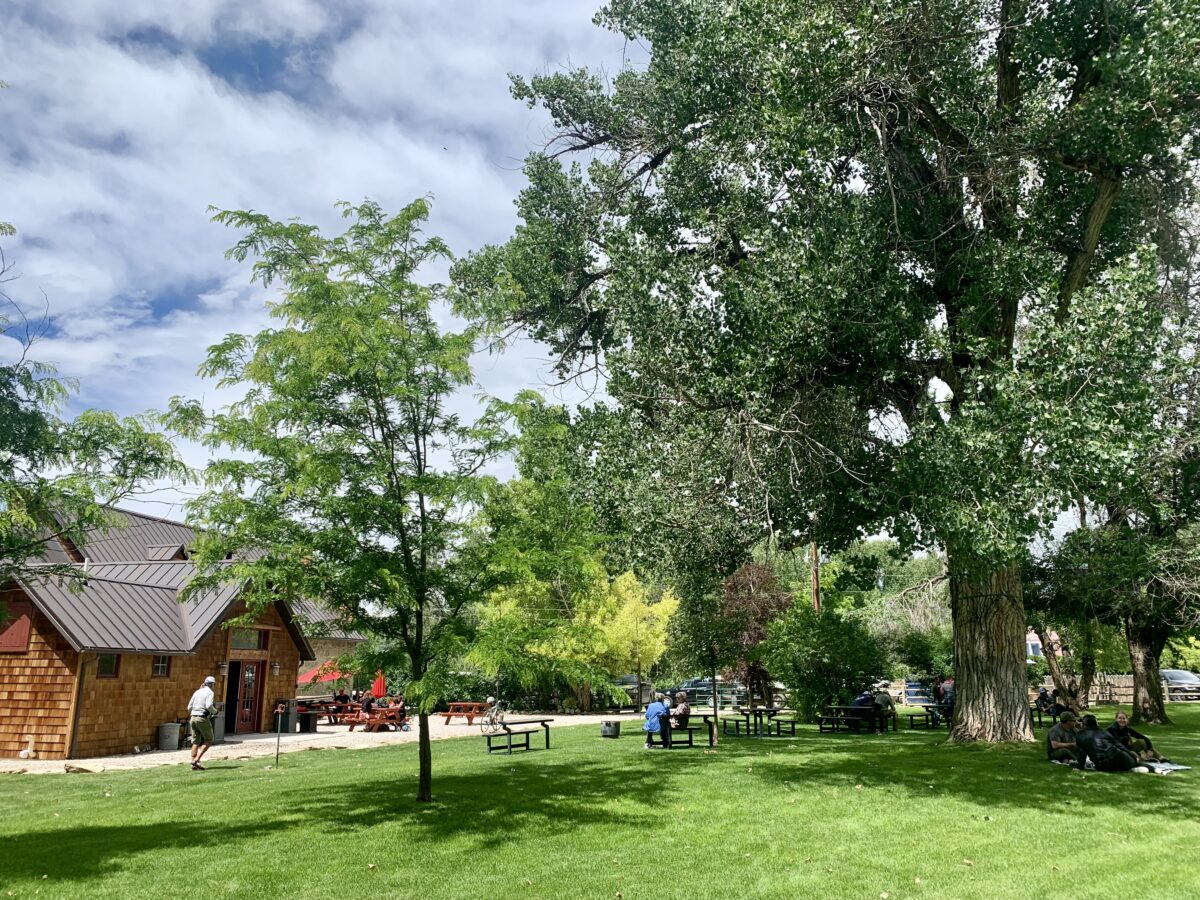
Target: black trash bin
[{"x": 288, "y": 720}]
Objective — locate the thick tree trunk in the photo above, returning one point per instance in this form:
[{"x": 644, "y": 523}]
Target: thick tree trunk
[
  {"x": 425, "y": 760},
  {"x": 1146, "y": 644},
  {"x": 990, "y": 686},
  {"x": 1087, "y": 674}
]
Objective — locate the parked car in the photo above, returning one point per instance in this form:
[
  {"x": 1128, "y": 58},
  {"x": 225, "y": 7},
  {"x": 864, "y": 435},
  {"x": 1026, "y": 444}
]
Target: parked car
[{"x": 1181, "y": 684}]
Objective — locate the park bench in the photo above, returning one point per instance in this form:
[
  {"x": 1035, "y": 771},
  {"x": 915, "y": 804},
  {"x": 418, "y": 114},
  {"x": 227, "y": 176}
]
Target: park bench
[
  {"x": 507, "y": 732},
  {"x": 689, "y": 730}
]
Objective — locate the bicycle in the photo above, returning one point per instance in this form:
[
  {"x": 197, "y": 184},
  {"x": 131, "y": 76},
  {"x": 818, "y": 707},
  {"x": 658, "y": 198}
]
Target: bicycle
[{"x": 493, "y": 719}]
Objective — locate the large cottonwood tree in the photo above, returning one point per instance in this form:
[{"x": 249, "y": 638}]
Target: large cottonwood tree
[{"x": 850, "y": 239}]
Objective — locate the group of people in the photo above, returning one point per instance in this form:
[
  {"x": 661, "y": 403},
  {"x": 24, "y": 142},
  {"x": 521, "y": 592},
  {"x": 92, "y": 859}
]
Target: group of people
[
  {"x": 1079, "y": 741},
  {"x": 876, "y": 699},
  {"x": 369, "y": 705},
  {"x": 661, "y": 717}
]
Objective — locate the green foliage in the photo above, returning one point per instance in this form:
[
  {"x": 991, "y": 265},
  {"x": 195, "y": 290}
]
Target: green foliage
[
  {"x": 859, "y": 266},
  {"x": 346, "y": 477},
  {"x": 1182, "y": 652},
  {"x": 823, "y": 657},
  {"x": 58, "y": 475},
  {"x": 927, "y": 654}
]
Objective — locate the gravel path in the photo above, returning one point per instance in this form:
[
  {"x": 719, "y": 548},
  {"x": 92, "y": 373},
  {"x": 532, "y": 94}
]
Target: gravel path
[{"x": 249, "y": 746}]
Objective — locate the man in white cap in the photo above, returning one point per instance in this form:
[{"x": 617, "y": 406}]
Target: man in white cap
[{"x": 200, "y": 708}]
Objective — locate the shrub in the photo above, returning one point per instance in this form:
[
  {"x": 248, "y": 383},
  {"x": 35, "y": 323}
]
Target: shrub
[{"x": 822, "y": 657}]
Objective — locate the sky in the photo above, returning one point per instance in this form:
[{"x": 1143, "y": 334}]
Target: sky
[{"x": 124, "y": 120}]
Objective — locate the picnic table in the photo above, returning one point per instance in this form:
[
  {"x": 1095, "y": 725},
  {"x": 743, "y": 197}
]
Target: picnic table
[
  {"x": 762, "y": 716},
  {"x": 380, "y": 719},
  {"x": 508, "y": 732},
  {"x": 833, "y": 717},
  {"x": 466, "y": 709}
]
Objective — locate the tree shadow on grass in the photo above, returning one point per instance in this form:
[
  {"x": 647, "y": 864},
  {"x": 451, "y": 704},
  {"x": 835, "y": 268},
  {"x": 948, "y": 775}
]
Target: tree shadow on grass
[
  {"x": 529, "y": 793},
  {"x": 1006, "y": 776},
  {"x": 89, "y": 852}
]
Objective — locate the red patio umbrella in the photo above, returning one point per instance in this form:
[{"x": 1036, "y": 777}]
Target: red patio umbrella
[
  {"x": 320, "y": 675},
  {"x": 379, "y": 685}
]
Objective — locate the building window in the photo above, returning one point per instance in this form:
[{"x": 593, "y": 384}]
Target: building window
[
  {"x": 161, "y": 667},
  {"x": 108, "y": 665},
  {"x": 248, "y": 639}
]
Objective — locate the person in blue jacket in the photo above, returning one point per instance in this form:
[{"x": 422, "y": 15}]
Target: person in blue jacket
[{"x": 656, "y": 713}]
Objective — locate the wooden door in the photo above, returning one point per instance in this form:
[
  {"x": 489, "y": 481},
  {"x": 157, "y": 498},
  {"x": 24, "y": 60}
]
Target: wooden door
[{"x": 249, "y": 692}]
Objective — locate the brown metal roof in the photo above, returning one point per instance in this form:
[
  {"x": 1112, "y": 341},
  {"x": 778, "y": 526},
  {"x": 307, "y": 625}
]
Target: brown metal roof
[
  {"x": 320, "y": 623},
  {"x": 114, "y": 615},
  {"x": 131, "y": 535},
  {"x": 129, "y": 602}
]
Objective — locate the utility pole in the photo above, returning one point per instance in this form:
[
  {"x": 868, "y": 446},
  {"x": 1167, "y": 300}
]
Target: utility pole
[{"x": 816, "y": 578}]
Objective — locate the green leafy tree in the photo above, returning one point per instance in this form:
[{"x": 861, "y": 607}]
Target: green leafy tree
[
  {"x": 348, "y": 477},
  {"x": 852, "y": 257},
  {"x": 635, "y": 627},
  {"x": 823, "y": 657},
  {"x": 59, "y": 476}
]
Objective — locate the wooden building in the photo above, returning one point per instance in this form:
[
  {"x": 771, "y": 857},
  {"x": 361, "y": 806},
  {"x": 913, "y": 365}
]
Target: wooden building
[{"x": 95, "y": 670}]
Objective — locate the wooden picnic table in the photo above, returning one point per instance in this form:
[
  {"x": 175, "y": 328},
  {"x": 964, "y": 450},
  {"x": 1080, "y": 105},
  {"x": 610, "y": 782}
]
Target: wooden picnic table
[
  {"x": 466, "y": 709},
  {"x": 379, "y": 718}
]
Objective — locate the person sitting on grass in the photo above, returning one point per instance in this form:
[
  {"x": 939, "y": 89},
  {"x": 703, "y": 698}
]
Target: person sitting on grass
[
  {"x": 1104, "y": 750},
  {"x": 1060, "y": 742},
  {"x": 655, "y": 713},
  {"x": 1133, "y": 741}
]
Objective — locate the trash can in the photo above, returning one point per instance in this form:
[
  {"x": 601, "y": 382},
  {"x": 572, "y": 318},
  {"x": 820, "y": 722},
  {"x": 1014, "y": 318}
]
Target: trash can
[
  {"x": 610, "y": 729},
  {"x": 288, "y": 717},
  {"x": 219, "y": 724},
  {"x": 168, "y": 736}
]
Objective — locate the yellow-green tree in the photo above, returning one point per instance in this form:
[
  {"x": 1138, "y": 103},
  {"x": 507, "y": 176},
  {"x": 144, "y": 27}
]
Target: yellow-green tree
[{"x": 634, "y": 628}]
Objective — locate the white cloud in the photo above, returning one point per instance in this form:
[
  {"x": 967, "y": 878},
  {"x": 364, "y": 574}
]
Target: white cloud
[{"x": 114, "y": 148}]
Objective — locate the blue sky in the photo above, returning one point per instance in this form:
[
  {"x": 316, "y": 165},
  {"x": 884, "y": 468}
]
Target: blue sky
[{"x": 125, "y": 119}]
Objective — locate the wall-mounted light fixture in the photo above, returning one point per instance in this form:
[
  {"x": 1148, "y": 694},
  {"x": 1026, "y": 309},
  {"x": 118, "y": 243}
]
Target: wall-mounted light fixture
[
  {"x": 275, "y": 668},
  {"x": 223, "y": 667}
]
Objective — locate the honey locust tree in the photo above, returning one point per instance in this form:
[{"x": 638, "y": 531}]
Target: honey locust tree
[
  {"x": 348, "y": 477},
  {"x": 843, "y": 236}
]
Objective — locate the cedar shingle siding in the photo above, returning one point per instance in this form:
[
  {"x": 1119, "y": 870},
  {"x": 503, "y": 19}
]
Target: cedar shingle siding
[{"x": 128, "y": 604}]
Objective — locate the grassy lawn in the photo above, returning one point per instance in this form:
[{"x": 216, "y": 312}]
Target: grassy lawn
[{"x": 901, "y": 815}]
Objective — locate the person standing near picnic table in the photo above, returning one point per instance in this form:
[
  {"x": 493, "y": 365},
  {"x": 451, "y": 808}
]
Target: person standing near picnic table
[
  {"x": 201, "y": 707},
  {"x": 885, "y": 706},
  {"x": 1060, "y": 742}
]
